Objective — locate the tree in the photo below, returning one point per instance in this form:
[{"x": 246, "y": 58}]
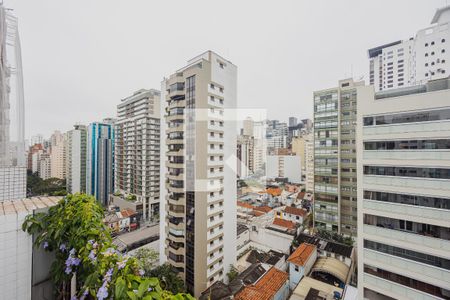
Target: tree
[
  {"x": 74, "y": 231},
  {"x": 168, "y": 278},
  {"x": 146, "y": 258},
  {"x": 52, "y": 186},
  {"x": 232, "y": 273}
]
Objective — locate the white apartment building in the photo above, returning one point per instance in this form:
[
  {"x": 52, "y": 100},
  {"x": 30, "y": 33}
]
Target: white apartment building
[
  {"x": 403, "y": 142},
  {"x": 276, "y": 135},
  {"x": 414, "y": 61},
  {"x": 259, "y": 145},
  {"x": 44, "y": 169},
  {"x": 198, "y": 218},
  {"x": 76, "y": 159},
  {"x": 245, "y": 155},
  {"x": 284, "y": 166},
  {"x": 303, "y": 146},
  {"x": 137, "y": 149}
]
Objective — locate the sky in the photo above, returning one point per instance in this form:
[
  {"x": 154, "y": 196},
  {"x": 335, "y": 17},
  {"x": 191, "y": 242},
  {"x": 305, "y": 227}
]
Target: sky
[{"x": 81, "y": 57}]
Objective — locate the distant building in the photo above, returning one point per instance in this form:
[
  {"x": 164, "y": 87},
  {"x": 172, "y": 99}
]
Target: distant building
[
  {"x": 415, "y": 61},
  {"x": 100, "y": 160},
  {"x": 284, "y": 166},
  {"x": 76, "y": 146},
  {"x": 58, "y": 155},
  {"x": 245, "y": 156},
  {"x": 248, "y": 125}
]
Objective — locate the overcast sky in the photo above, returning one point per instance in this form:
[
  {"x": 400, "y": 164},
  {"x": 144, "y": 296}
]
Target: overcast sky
[{"x": 81, "y": 57}]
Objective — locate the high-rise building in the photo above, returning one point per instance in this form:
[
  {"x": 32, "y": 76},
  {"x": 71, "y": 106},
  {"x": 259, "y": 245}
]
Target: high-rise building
[
  {"x": 303, "y": 146},
  {"x": 293, "y": 121},
  {"x": 100, "y": 160},
  {"x": 414, "y": 61},
  {"x": 248, "y": 127},
  {"x": 245, "y": 155},
  {"x": 198, "y": 219},
  {"x": 44, "y": 166},
  {"x": 58, "y": 155},
  {"x": 12, "y": 146},
  {"x": 259, "y": 146},
  {"x": 276, "y": 136},
  {"x": 137, "y": 148},
  {"x": 335, "y": 188},
  {"x": 76, "y": 159},
  {"x": 403, "y": 147}
]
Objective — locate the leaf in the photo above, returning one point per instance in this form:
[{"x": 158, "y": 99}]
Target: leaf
[
  {"x": 132, "y": 295},
  {"x": 120, "y": 288},
  {"x": 143, "y": 287}
]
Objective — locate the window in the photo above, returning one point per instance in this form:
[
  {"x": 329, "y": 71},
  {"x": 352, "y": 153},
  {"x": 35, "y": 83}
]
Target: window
[
  {"x": 426, "y": 54},
  {"x": 432, "y": 43},
  {"x": 443, "y": 41},
  {"x": 443, "y": 51},
  {"x": 432, "y": 53},
  {"x": 296, "y": 268},
  {"x": 212, "y": 86},
  {"x": 435, "y": 173},
  {"x": 221, "y": 65},
  {"x": 426, "y": 44},
  {"x": 426, "y": 64}
]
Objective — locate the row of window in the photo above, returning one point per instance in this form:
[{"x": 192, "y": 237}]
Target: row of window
[
  {"x": 438, "y": 173},
  {"x": 421, "y": 116},
  {"x": 408, "y": 145},
  {"x": 438, "y": 61},
  {"x": 408, "y": 282},
  {"x": 416, "y": 200},
  {"x": 432, "y": 52},
  {"x": 432, "y": 43},
  {"x": 408, "y": 254}
]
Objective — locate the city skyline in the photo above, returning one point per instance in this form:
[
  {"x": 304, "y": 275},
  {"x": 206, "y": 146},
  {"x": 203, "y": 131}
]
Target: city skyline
[{"x": 142, "y": 63}]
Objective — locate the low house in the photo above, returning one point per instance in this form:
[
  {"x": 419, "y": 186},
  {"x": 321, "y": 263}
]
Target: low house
[
  {"x": 284, "y": 225},
  {"x": 274, "y": 285},
  {"x": 300, "y": 263},
  {"x": 294, "y": 214},
  {"x": 112, "y": 221}
]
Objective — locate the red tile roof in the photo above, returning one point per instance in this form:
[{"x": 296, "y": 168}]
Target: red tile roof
[
  {"x": 266, "y": 287},
  {"x": 295, "y": 211},
  {"x": 264, "y": 209},
  {"x": 127, "y": 212},
  {"x": 244, "y": 204},
  {"x": 302, "y": 254},
  {"x": 284, "y": 223}
]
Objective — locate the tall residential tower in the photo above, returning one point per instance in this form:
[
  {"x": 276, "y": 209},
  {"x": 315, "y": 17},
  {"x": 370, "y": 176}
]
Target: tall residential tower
[
  {"x": 198, "y": 219},
  {"x": 137, "y": 149}
]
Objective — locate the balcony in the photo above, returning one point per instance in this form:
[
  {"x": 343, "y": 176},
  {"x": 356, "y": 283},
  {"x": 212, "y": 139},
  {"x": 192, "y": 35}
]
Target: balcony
[
  {"x": 423, "y": 272},
  {"x": 215, "y": 174},
  {"x": 216, "y": 162},
  {"x": 434, "y": 216},
  {"x": 431, "y": 245},
  {"x": 442, "y": 185},
  {"x": 216, "y": 221},
  {"x": 215, "y": 151},
  {"x": 386, "y": 286},
  {"x": 398, "y": 130},
  {"x": 432, "y": 155}
]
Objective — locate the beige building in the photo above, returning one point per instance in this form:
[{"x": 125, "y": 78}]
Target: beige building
[
  {"x": 303, "y": 146},
  {"x": 335, "y": 184},
  {"x": 58, "y": 155},
  {"x": 245, "y": 156},
  {"x": 403, "y": 147},
  {"x": 198, "y": 214}
]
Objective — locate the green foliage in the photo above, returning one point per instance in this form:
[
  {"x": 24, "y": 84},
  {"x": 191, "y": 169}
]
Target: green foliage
[
  {"x": 232, "y": 273},
  {"x": 74, "y": 231},
  {"x": 146, "y": 258},
  {"x": 131, "y": 197},
  {"x": 37, "y": 186},
  {"x": 168, "y": 278},
  {"x": 334, "y": 236}
]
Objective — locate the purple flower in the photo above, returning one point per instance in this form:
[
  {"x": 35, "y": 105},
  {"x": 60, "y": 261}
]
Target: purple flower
[
  {"x": 141, "y": 272},
  {"x": 62, "y": 247},
  {"x": 92, "y": 256},
  {"x": 95, "y": 245},
  {"x": 74, "y": 298},
  {"x": 85, "y": 293},
  {"x": 107, "y": 277},
  {"x": 121, "y": 264},
  {"x": 76, "y": 261},
  {"x": 45, "y": 245},
  {"x": 102, "y": 293},
  {"x": 72, "y": 251},
  {"x": 149, "y": 289},
  {"x": 68, "y": 270},
  {"x": 91, "y": 242}
]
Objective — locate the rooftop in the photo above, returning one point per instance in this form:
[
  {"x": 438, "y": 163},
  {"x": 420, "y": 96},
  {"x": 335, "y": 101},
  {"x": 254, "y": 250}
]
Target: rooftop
[
  {"x": 325, "y": 245},
  {"x": 302, "y": 254},
  {"x": 27, "y": 205},
  {"x": 295, "y": 211},
  {"x": 284, "y": 223},
  {"x": 430, "y": 86},
  {"x": 313, "y": 289},
  {"x": 266, "y": 287},
  {"x": 241, "y": 228},
  {"x": 439, "y": 13}
]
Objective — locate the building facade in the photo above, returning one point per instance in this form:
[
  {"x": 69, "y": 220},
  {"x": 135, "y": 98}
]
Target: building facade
[
  {"x": 404, "y": 193},
  {"x": 245, "y": 156},
  {"x": 414, "y": 61},
  {"x": 137, "y": 149},
  {"x": 335, "y": 182},
  {"x": 198, "y": 218},
  {"x": 100, "y": 160},
  {"x": 284, "y": 166},
  {"x": 76, "y": 145},
  {"x": 58, "y": 155},
  {"x": 12, "y": 146}
]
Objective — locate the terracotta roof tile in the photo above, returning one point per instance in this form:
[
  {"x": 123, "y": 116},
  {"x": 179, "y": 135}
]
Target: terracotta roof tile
[
  {"x": 284, "y": 223},
  {"x": 264, "y": 209},
  {"x": 295, "y": 211},
  {"x": 266, "y": 287},
  {"x": 301, "y": 255},
  {"x": 244, "y": 204}
]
